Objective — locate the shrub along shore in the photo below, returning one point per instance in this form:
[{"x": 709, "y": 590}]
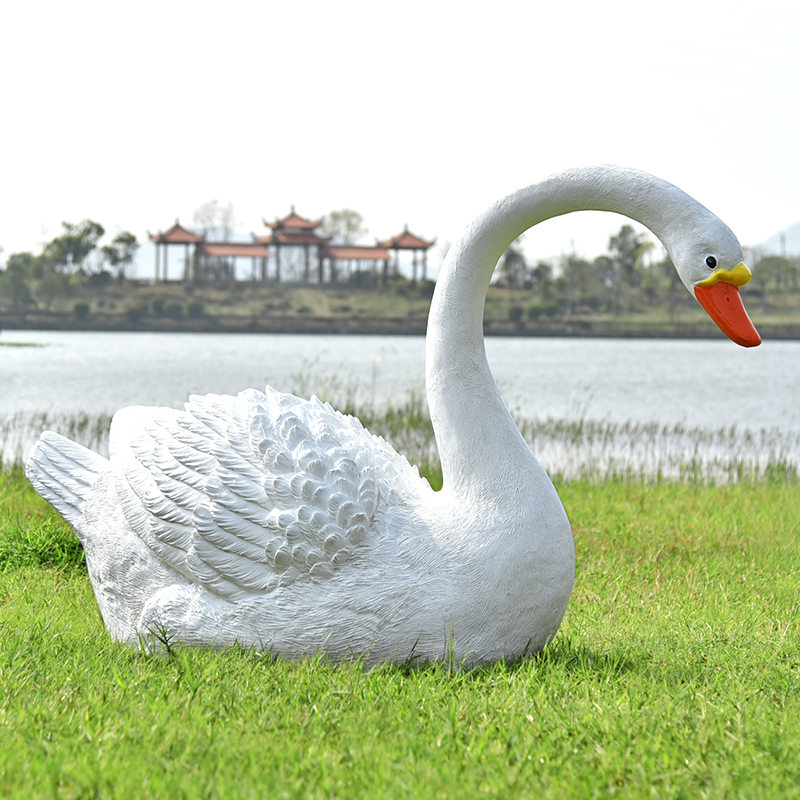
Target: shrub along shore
[{"x": 401, "y": 308}]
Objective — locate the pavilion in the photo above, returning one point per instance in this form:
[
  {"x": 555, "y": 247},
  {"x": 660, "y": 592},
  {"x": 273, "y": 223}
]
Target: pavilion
[
  {"x": 409, "y": 241},
  {"x": 291, "y": 234},
  {"x": 295, "y": 232},
  {"x": 177, "y": 234}
]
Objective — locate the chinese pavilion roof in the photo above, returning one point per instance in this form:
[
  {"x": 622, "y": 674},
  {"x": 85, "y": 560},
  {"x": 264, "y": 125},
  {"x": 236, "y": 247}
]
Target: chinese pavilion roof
[
  {"x": 233, "y": 249},
  {"x": 355, "y": 252},
  {"x": 177, "y": 234},
  {"x": 294, "y": 222},
  {"x": 291, "y": 237},
  {"x": 406, "y": 241}
]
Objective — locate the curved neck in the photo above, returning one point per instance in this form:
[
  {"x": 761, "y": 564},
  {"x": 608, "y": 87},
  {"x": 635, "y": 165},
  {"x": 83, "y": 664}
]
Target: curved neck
[{"x": 477, "y": 439}]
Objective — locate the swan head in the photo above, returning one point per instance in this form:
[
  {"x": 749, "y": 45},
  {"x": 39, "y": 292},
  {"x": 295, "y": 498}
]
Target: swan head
[{"x": 711, "y": 265}]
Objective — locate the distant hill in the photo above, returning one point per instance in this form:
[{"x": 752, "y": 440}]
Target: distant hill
[{"x": 774, "y": 246}]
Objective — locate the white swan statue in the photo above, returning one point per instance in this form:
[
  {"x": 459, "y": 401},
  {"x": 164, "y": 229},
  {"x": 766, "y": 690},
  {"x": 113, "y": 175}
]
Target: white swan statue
[{"x": 273, "y": 522}]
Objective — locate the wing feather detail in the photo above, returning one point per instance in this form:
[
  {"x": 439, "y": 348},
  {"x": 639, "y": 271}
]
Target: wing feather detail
[{"x": 246, "y": 494}]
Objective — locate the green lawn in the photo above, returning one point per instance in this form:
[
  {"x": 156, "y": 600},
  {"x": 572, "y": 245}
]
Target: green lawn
[{"x": 676, "y": 674}]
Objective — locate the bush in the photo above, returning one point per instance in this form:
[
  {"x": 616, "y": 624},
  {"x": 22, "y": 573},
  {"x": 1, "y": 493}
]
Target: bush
[
  {"x": 158, "y": 306},
  {"x": 363, "y": 280},
  {"x": 515, "y": 313},
  {"x": 81, "y": 310},
  {"x": 52, "y": 286},
  {"x": 173, "y": 310},
  {"x": 195, "y": 309},
  {"x": 546, "y": 310},
  {"x": 135, "y": 313},
  {"x": 99, "y": 280},
  {"x": 425, "y": 288}
]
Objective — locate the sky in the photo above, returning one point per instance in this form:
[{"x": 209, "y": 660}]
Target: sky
[{"x": 420, "y": 113}]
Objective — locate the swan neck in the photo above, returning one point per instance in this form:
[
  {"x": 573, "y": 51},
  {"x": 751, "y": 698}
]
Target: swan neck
[{"x": 475, "y": 433}]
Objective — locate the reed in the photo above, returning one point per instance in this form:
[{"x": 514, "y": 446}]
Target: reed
[
  {"x": 19, "y": 431},
  {"x": 569, "y": 449}
]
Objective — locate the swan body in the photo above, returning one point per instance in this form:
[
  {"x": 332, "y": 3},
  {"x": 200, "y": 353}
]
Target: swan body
[{"x": 269, "y": 521}]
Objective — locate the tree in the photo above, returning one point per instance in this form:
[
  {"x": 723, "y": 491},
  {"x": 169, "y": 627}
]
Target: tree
[
  {"x": 579, "y": 285},
  {"x": 121, "y": 252},
  {"x": 774, "y": 270},
  {"x": 69, "y": 251},
  {"x": 773, "y": 273},
  {"x": 670, "y": 278},
  {"x": 217, "y": 223},
  {"x": 626, "y": 250},
  {"x": 52, "y": 286},
  {"x": 20, "y": 264},
  {"x": 14, "y": 288},
  {"x": 344, "y": 227},
  {"x": 513, "y": 269},
  {"x": 542, "y": 279}
]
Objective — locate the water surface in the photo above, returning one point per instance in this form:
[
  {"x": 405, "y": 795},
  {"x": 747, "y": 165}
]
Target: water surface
[{"x": 697, "y": 383}]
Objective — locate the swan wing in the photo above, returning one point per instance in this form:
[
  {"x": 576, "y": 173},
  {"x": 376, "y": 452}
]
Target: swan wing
[{"x": 244, "y": 494}]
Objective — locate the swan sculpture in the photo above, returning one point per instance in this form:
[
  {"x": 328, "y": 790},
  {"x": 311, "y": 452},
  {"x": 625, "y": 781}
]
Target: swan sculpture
[{"x": 275, "y": 522}]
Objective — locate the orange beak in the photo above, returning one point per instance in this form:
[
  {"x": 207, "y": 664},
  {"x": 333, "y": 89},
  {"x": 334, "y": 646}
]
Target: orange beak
[{"x": 719, "y": 296}]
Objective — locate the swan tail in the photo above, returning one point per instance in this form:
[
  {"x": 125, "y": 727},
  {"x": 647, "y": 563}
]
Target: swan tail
[{"x": 63, "y": 472}]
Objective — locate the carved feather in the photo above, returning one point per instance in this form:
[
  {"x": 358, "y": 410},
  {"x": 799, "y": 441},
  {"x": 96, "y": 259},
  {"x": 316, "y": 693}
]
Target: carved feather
[{"x": 247, "y": 493}]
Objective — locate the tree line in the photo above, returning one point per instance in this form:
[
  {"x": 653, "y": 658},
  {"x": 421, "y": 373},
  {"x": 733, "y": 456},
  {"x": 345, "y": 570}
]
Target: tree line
[
  {"x": 72, "y": 257},
  {"x": 628, "y": 277}
]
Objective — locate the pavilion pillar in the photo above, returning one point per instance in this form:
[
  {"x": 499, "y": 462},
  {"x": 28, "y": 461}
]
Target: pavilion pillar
[
  {"x": 166, "y": 256},
  {"x": 158, "y": 259}
]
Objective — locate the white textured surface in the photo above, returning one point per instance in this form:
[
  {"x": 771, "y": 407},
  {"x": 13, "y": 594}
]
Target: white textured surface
[{"x": 276, "y": 522}]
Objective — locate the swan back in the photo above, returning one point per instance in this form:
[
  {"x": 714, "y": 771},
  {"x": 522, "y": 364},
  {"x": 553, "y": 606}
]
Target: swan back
[{"x": 246, "y": 494}]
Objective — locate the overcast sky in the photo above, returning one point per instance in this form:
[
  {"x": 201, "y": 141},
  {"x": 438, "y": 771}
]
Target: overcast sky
[{"x": 419, "y": 112}]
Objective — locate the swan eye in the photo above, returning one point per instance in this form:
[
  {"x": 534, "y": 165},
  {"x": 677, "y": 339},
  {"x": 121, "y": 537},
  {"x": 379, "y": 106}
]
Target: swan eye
[{"x": 711, "y": 262}]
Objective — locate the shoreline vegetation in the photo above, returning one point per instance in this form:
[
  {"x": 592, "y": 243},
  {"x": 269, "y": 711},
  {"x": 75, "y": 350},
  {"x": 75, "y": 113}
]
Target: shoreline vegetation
[
  {"x": 400, "y": 309},
  {"x": 630, "y": 291},
  {"x": 568, "y": 449}
]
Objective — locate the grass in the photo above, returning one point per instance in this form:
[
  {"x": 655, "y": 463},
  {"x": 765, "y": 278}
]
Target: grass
[{"x": 676, "y": 673}]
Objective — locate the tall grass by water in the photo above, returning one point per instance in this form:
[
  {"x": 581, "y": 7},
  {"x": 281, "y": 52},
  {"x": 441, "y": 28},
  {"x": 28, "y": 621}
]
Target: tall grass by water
[{"x": 568, "y": 448}]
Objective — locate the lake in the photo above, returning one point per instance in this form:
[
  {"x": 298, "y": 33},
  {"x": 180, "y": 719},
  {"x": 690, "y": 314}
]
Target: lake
[{"x": 698, "y": 384}]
